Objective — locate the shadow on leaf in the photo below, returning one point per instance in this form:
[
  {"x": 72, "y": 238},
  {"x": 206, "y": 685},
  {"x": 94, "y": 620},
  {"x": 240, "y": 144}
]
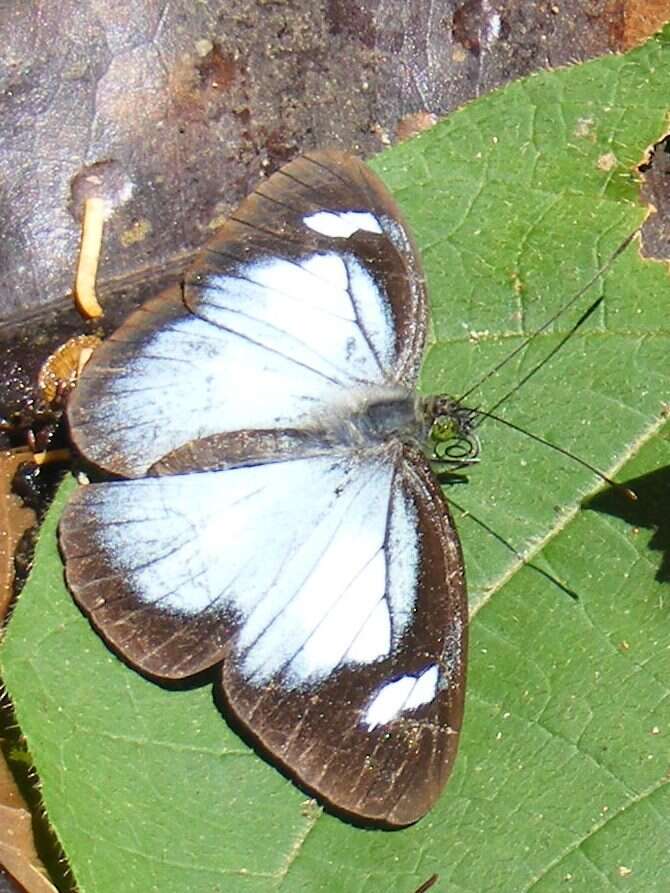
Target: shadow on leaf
[{"x": 649, "y": 510}]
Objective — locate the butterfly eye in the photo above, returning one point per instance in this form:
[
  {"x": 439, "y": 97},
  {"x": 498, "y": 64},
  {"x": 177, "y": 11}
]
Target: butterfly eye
[
  {"x": 450, "y": 444},
  {"x": 451, "y": 432},
  {"x": 443, "y": 430}
]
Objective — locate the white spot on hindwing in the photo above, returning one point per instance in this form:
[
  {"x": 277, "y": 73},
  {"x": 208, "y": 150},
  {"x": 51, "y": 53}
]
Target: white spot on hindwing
[{"x": 401, "y": 696}]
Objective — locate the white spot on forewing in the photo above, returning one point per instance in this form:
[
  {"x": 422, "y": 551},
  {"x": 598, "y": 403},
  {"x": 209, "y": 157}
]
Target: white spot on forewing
[
  {"x": 342, "y": 224},
  {"x": 290, "y": 328},
  {"x": 325, "y": 311},
  {"x": 318, "y": 281},
  {"x": 180, "y": 387},
  {"x": 289, "y": 553},
  {"x": 401, "y": 696}
]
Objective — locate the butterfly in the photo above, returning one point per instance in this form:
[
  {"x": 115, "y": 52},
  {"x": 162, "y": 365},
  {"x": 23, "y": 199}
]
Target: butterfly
[{"x": 270, "y": 512}]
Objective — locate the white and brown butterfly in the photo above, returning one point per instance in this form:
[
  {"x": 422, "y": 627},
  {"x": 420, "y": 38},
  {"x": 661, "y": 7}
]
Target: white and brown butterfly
[{"x": 272, "y": 511}]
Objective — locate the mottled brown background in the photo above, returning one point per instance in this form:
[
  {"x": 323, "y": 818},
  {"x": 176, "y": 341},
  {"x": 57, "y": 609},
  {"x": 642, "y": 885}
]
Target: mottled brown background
[{"x": 197, "y": 101}]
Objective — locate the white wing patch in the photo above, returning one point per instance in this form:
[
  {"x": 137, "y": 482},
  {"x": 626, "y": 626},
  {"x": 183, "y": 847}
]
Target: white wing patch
[
  {"x": 342, "y": 224},
  {"x": 404, "y": 570},
  {"x": 297, "y": 553},
  {"x": 401, "y": 696},
  {"x": 315, "y": 319},
  {"x": 274, "y": 346}
]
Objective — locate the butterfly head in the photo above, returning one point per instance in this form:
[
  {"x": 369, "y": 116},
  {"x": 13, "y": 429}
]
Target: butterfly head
[{"x": 451, "y": 431}]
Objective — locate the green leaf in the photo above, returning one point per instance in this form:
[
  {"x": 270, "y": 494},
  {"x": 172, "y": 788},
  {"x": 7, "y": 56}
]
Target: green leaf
[{"x": 516, "y": 202}]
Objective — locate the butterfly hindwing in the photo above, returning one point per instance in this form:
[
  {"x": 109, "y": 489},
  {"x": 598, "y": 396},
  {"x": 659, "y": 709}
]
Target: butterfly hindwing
[
  {"x": 377, "y": 738},
  {"x": 340, "y": 654},
  {"x": 311, "y": 289}
]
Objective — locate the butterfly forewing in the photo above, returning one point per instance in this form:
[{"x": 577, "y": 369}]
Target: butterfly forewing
[
  {"x": 259, "y": 528},
  {"x": 276, "y": 326}
]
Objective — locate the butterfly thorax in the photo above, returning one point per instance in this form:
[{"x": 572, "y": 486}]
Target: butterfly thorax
[
  {"x": 439, "y": 424},
  {"x": 370, "y": 418}
]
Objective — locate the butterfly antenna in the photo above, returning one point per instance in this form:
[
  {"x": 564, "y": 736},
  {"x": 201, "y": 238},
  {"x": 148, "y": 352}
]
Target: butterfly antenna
[
  {"x": 490, "y": 413},
  {"x": 582, "y": 319},
  {"x": 501, "y": 539},
  {"x": 630, "y": 494},
  {"x": 552, "y": 319}
]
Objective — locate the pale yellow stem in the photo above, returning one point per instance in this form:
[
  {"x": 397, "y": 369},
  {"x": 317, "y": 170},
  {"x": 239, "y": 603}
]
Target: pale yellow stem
[{"x": 89, "y": 255}]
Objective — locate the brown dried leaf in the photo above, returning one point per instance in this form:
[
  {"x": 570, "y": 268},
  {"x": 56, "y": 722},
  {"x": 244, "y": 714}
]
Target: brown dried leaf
[
  {"x": 15, "y": 519},
  {"x": 17, "y": 847},
  {"x": 643, "y": 18}
]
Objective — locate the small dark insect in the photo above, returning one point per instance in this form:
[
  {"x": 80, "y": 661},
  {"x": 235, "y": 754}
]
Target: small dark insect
[{"x": 432, "y": 880}]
